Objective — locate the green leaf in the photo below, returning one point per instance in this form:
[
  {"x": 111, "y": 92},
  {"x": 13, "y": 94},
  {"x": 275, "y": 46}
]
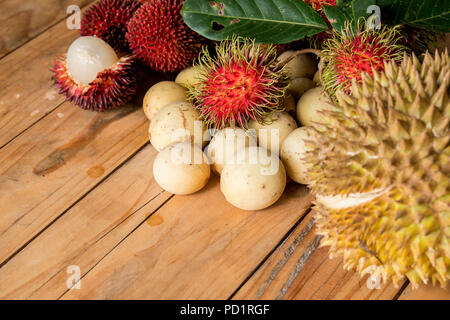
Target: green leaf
[
  {"x": 359, "y": 8},
  {"x": 339, "y": 14},
  {"x": 268, "y": 21},
  {"x": 433, "y": 15},
  {"x": 347, "y": 11}
]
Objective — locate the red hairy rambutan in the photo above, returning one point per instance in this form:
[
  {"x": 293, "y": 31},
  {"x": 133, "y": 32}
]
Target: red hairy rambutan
[
  {"x": 349, "y": 54},
  {"x": 159, "y": 37},
  {"x": 91, "y": 76},
  {"x": 108, "y": 20},
  {"x": 243, "y": 82}
]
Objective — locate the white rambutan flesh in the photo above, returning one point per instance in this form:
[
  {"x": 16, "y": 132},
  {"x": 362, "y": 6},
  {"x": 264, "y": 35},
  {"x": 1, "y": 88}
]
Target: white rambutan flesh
[{"x": 87, "y": 57}]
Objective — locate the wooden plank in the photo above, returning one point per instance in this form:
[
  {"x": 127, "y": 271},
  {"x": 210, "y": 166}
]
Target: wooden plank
[
  {"x": 86, "y": 233},
  {"x": 427, "y": 292},
  {"x": 21, "y": 22},
  {"x": 195, "y": 247},
  {"x": 300, "y": 270},
  {"x": 26, "y": 93},
  {"x": 54, "y": 163}
]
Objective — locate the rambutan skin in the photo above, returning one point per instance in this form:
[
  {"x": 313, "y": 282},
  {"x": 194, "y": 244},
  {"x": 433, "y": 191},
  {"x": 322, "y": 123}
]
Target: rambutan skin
[
  {"x": 245, "y": 82},
  {"x": 108, "y": 20},
  {"x": 349, "y": 54},
  {"x": 112, "y": 88},
  {"x": 159, "y": 37}
]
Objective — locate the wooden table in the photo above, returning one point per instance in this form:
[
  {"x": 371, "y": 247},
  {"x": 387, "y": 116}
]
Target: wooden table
[{"x": 77, "y": 194}]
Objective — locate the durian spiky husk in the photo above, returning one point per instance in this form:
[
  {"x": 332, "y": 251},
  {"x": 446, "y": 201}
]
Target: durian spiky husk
[{"x": 381, "y": 169}]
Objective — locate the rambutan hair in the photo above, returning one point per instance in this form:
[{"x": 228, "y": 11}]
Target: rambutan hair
[
  {"x": 159, "y": 37},
  {"x": 244, "y": 82},
  {"x": 350, "y": 53},
  {"x": 108, "y": 20},
  {"x": 112, "y": 87}
]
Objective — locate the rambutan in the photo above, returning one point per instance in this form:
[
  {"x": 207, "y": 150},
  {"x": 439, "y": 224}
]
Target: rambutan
[
  {"x": 92, "y": 76},
  {"x": 108, "y": 20},
  {"x": 159, "y": 37},
  {"x": 244, "y": 82},
  {"x": 349, "y": 54}
]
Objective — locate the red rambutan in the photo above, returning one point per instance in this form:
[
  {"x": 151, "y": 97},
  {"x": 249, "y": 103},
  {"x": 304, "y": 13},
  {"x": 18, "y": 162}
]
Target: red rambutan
[
  {"x": 348, "y": 54},
  {"x": 92, "y": 76},
  {"x": 108, "y": 20},
  {"x": 159, "y": 37},
  {"x": 243, "y": 82}
]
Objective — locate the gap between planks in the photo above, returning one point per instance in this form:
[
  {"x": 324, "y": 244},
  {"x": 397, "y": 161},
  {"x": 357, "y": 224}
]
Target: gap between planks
[
  {"x": 71, "y": 206},
  {"x": 196, "y": 253},
  {"x": 298, "y": 269},
  {"x": 282, "y": 241}
]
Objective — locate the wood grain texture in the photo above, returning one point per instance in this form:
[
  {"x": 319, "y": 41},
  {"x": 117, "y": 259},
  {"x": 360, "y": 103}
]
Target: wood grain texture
[
  {"x": 77, "y": 189},
  {"x": 49, "y": 167},
  {"x": 86, "y": 233},
  {"x": 22, "y": 20},
  {"x": 426, "y": 293},
  {"x": 26, "y": 88},
  {"x": 299, "y": 269},
  {"x": 194, "y": 247},
  {"x": 58, "y": 152}
]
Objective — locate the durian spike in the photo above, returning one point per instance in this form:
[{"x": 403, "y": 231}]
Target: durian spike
[{"x": 381, "y": 173}]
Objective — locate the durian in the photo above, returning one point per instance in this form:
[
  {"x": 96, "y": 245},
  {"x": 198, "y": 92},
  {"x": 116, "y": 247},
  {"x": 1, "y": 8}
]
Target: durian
[{"x": 380, "y": 170}]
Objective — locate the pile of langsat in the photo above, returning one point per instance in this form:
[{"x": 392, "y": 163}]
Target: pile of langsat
[{"x": 237, "y": 114}]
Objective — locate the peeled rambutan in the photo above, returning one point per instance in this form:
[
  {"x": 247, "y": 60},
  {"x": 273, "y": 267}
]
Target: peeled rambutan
[
  {"x": 349, "y": 54},
  {"x": 108, "y": 20},
  {"x": 159, "y": 37},
  {"x": 244, "y": 82},
  {"x": 93, "y": 77}
]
